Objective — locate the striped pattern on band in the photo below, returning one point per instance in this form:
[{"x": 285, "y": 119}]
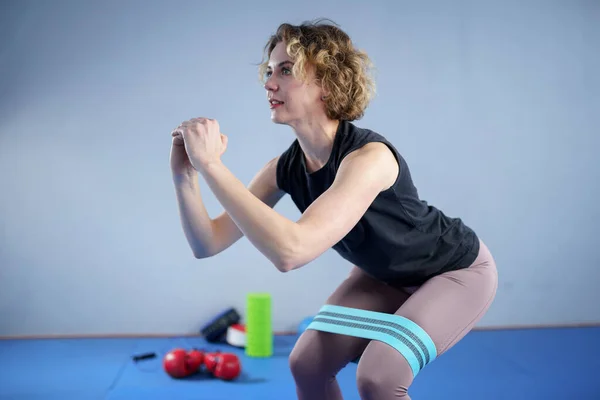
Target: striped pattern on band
[{"x": 402, "y": 334}]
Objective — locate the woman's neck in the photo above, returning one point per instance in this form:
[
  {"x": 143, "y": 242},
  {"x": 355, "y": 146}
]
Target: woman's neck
[{"x": 316, "y": 141}]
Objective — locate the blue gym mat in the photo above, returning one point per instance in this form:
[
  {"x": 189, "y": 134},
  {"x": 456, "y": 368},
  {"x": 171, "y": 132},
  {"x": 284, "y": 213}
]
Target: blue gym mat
[{"x": 491, "y": 365}]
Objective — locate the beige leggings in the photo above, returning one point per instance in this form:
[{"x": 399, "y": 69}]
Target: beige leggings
[{"x": 446, "y": 307}]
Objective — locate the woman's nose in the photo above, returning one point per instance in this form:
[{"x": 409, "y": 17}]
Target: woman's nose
[{"x": 270, "y": 85}]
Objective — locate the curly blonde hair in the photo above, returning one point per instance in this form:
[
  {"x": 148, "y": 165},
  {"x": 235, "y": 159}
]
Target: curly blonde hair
[{"x": 341, "y": 69}]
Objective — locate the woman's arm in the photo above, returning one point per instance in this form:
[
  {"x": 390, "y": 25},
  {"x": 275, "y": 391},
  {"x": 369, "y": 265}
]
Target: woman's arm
[
  {"x": 208, "y": 237},
  {"x": 362, "y": 175}
]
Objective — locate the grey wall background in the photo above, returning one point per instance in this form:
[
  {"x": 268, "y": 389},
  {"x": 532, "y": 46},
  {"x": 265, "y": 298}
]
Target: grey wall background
[{"x": 494, "y": 105}]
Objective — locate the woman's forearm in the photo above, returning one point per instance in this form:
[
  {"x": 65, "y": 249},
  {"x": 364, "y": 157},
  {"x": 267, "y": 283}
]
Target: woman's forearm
[
  {"x": 272, "y": 234},
  {"x": 195, "y": 221}
]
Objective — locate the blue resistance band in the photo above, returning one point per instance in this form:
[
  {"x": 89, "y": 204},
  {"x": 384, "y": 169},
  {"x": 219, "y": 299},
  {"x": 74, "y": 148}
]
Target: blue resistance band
[{"x": 408, "y": 338}]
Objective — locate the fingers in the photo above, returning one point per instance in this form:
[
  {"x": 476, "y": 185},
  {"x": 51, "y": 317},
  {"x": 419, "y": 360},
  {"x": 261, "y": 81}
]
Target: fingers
[
  {"x": 198, "y": 120},
  {"x": 183, "y": 128},
  {"x": 201, "y": 120},
  {"x": 191, "y": 122}
]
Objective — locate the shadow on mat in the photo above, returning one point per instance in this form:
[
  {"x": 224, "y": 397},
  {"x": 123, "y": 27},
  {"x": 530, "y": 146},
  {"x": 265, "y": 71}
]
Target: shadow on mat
[{"x": 242, "y": 379}]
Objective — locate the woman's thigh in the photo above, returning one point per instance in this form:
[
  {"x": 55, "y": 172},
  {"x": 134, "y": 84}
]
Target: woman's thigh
[
  {"x": 449, "y": 305},
  {"x": 446, "y": 308}
]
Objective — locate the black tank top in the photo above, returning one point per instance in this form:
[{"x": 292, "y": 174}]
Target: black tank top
[{"x": 400, "y": 239}]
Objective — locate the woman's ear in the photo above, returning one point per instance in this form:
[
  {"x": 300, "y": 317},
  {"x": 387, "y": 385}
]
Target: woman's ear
[{"x": 324, "y": 94}]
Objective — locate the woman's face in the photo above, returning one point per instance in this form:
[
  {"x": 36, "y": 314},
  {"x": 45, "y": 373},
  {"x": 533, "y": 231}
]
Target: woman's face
[{"x": 290, "y": 99}]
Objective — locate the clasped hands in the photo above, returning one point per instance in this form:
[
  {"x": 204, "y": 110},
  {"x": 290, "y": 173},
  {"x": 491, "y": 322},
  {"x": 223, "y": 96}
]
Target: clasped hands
[{"x": 204, "y": 143}]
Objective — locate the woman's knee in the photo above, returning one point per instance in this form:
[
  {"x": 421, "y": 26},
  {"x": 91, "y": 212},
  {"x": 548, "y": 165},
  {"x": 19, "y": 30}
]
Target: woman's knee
[
  {"x": 299, "y": 360},
  {"x": 308, "y": 359},
  {"x": 383, "y": 373}
]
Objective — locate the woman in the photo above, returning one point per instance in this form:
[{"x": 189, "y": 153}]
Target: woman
[{"x": 411, "y": 262}]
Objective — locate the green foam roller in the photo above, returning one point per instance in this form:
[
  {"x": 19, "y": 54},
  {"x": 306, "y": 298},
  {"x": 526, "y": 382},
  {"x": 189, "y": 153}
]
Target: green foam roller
[{"x": 259, "y": 331}]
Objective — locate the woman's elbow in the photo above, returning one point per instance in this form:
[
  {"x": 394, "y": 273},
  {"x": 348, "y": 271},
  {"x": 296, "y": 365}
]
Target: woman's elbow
[
  {"x": 202, "y": 253},
  {"x": 282, "y": 261},
  {"x": 293, "y": 251},
  {"x": 291, "y": 260},
  {"x": 288, "y": 265}
]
